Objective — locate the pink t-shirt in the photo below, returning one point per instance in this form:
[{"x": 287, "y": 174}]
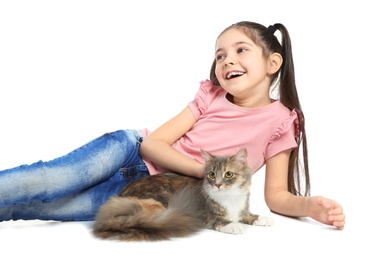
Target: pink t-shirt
[{"x": 222, "y": 128}]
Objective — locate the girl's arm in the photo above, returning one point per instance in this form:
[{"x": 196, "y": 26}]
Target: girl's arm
[
  {"x": 283, "y": 202},
  {"x": 157, "y": 146}
]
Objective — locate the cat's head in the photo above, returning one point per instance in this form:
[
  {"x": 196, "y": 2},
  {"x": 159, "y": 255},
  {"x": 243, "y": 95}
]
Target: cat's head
[{"x": 227, "y": 172}]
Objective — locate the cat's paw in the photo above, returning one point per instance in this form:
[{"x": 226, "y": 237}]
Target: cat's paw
[
  {"x": 264, "y": 221},
  {"x": 233, "y": 228}
]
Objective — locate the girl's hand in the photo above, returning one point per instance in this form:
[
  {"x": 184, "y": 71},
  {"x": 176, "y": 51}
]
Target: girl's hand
[{"x": 326, "y": 211}]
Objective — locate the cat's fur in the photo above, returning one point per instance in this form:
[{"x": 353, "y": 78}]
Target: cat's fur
[{"x": 167, "y": 205}]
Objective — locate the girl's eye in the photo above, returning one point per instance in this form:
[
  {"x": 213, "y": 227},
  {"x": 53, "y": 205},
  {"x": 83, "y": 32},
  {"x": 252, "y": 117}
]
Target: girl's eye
[
  {"x": 241, "y": 50},
  {"x": 211, "y": 175},
  {"x": 219, "y": 57},
  {"x": 229, "y": 175}
]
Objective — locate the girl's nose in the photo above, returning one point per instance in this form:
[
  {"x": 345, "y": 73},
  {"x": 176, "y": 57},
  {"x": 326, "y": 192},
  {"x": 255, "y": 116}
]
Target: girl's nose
[{"x": 229, "y": 61}]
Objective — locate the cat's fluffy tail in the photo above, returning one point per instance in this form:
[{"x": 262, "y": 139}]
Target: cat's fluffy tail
[{"x": 133, "y": 219}]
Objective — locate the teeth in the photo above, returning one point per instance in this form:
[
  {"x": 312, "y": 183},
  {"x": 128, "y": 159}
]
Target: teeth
[{"x": 234, "y": 73}]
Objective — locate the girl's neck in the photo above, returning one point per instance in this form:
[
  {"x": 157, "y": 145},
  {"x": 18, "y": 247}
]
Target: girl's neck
[{"x": 250, "y": 103}]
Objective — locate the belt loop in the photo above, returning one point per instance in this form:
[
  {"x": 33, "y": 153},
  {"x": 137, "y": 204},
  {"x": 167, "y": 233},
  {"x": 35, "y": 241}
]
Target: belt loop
[{"x": 138, "y": 136}]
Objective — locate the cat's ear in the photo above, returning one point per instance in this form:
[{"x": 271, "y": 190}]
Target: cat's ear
[
  {"x": 207, "y": 156},
  {"x": 241, "y": 155}
]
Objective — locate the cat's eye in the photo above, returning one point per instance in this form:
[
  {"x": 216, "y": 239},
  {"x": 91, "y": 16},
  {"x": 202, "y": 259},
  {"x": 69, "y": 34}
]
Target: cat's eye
[
  {"x": 228, "y": 175},
  {"x": 211, "y": 175}
]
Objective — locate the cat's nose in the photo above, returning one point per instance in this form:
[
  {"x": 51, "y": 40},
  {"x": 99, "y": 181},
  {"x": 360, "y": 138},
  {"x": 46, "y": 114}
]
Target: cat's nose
[{"x": 218, "y": 185}]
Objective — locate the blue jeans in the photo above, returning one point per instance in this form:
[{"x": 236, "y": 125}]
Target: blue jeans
[{"x": 74, "y": 186}]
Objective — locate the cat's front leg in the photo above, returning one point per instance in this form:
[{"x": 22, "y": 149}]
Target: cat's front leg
[
  {"x": 264, "y": 221},
  {"x": 256, "y": 220},
  {"x": 232, "y": 228}
]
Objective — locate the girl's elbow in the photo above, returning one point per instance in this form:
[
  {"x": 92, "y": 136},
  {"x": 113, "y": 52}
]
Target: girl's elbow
[
  {"x": 274, "y": 201},
  {"x": 270, "y": 203}
]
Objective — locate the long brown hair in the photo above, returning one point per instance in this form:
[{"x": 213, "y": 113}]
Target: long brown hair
[{"x": 284, "y": 79}]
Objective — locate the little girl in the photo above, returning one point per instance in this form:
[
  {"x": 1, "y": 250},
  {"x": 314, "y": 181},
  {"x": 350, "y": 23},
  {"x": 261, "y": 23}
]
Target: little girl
[{"x": 230, "y": 111}]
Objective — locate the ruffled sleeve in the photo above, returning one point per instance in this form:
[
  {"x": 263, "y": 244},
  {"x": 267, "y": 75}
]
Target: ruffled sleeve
[
  {"x": 284, "y": 127},
  {"x": 202, "y": 98},
  {"x": 284, "y": 136}
]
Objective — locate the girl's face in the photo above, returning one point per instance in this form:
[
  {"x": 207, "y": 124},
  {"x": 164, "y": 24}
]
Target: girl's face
[{"x": 241, "y": 69}]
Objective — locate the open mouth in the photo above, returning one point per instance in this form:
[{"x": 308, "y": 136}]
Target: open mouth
[{"x": 234, "y": 74}]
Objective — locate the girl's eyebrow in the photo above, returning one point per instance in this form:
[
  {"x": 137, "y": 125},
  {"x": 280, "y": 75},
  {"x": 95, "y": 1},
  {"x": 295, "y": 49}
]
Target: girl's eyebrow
[{"x": 234, "y": 44}]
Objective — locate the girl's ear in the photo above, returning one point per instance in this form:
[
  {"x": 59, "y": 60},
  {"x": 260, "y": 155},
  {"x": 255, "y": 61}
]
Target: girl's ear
[{"x": 275, "y": 62}]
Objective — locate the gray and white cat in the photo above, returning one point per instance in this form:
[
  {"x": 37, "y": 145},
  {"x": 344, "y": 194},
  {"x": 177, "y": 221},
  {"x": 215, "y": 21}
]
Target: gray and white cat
[{"x": 167, "y": 205}]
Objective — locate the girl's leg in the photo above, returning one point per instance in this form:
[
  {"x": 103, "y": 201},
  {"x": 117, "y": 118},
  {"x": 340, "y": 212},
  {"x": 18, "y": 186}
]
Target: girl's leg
[
  {"x": 81, "y": 206},
  {"x": 89, "y": 165}
]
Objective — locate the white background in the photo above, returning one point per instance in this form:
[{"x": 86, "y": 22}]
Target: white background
[{"x": 72, "y": 70}]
